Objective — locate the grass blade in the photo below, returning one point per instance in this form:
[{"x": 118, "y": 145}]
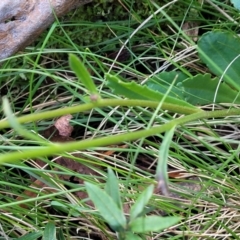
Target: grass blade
[{"x": 161, "y": 174}]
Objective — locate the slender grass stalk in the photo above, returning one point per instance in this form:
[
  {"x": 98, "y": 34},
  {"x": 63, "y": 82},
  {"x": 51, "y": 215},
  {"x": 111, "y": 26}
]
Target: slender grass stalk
[
  {"x": 109, "y": 140},
  {"x": 100, "y": 103}
]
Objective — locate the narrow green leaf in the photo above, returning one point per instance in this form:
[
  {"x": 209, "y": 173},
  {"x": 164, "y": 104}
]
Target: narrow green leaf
[
  {"x": 221, "y": 53},
  {"x": 60, "y": 235},
  {"x": 201, "y": 89},
  {"x": 112, "y": 188},
  {"x": 68, "y": 208},
  {"x": 49, "y": 232},
  {"x": 161, "y": 174},
  {"x": 107, "y": 207},
  {"x": 32, "y": 236},
  {"x": 133, "y": 90},
  {"x": 141, "y": 202},
  {"x": 82, "y": 74},
  {"x": 152, "y": 223},
  {"x": 132, "y": 236}
]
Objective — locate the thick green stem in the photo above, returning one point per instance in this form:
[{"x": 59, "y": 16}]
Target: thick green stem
[
  {"x": 109, "y": 140},
  {"x": 99, "y": 104}
]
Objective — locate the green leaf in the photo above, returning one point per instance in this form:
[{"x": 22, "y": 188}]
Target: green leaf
[
  {"x": 32, "y": 236},
  {"x": 236, "y": 4},
  {"x": 162, "y": 81},
  {"x": 82, "y": 74},
  {"x": 112, "y": 188},
  {"x": 133, "y": 90},
  {"x": 141, "y": 202},
  {"x": 132, "y": 236},
  {"x": 49, "y": 232},
  {"x": 220, "y": 51},
  {"x": 60, "y": 235},
  {"x": 152, "y": 223},
  {"x": 201, "y": 90},
  {"x": 107, "y": 207},
  {"x": 161, "y": 173}
]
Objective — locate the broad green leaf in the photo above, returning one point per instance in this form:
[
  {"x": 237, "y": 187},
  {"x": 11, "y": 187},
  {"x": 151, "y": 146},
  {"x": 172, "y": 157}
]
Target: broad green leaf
[
  {"x": 82, "y": 73},
  {"x": 201, "y": 90},
  {"x": 141, "y": 202},
  {"x": 112, "y": 188},
  {"x": 162, "y": 81},
  {"x": 236, "y": 4},
  {"x": 152, "y": 223},
  {"x": 161, "y": 173},
  {"x": 220, "y": 51},
  {"x": 132, "y": 236},
  {"x": 132, "y": 90},
  {"x": 32, "y": 236},
  {"x": 107, "y": 207},
  {"x": 49, "y": 232}
]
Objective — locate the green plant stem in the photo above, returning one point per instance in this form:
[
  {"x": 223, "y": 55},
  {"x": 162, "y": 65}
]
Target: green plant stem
[
  {"x": 109, "y": 140},
  {"x": 100, "y": 103}
]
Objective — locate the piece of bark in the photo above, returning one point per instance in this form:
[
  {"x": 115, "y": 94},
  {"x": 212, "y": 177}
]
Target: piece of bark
[{"x": 22, "y": 21}]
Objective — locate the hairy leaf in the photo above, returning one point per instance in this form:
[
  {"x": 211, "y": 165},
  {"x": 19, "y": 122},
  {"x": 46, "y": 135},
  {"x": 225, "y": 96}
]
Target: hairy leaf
[{"x": 107, "y": 207}]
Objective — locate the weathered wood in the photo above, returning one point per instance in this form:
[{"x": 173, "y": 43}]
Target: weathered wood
[{"x": 22, "y": 21}]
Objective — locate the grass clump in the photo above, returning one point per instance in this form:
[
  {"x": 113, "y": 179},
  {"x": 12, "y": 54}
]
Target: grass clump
[{"x": 43, "y": 194}]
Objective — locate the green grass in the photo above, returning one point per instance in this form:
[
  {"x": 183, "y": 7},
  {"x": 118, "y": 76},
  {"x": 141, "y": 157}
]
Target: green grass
[{"x": 39, "y": 79}]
